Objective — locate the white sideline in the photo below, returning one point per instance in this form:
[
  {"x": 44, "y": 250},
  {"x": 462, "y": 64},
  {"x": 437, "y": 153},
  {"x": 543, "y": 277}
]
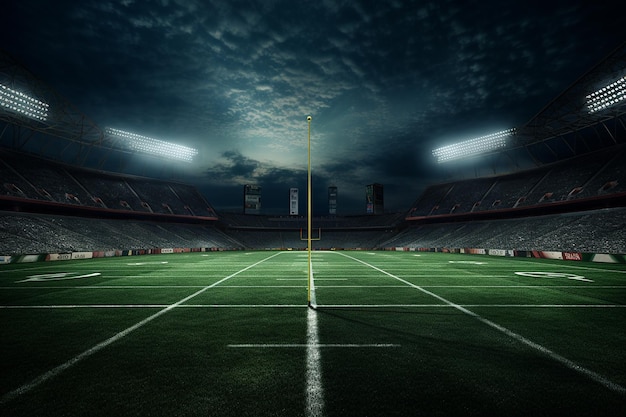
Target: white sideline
[
  {"x": 564, "y": 361},
  {"x": 56, "y": 371}
]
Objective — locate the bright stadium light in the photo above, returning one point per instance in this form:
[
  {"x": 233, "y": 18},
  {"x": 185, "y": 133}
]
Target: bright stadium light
[
  {"x": 473, "y": 146},
  {"x": 20, "y": 103},
  {"x": 608, "y": 96},
  {"x": 155, "y": 146}
]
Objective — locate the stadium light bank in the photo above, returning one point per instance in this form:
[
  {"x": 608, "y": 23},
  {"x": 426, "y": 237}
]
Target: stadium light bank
[
  {"x": 473, "y": 147},
  {"x": 607, "y": 96},
  {"x": 17, "y": 102},
  {"x": 154, "y": 146}
]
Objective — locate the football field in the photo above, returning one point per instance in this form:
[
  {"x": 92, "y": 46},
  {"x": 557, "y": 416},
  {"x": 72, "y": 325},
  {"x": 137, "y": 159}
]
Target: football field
[{"x": 393, "y": 334}]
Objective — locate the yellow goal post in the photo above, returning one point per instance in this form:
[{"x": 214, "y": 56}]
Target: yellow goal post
[{"x": 304, "y": 237}]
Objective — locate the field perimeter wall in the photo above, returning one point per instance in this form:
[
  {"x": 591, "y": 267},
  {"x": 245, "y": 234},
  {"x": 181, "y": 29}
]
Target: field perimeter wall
[
  {"x": 566, "y": 256},
  {"x": 66, "y": 256}
]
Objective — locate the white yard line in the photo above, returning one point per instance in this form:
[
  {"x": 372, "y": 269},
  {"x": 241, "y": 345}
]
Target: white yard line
[
  {"x": 71, "y": 306},
  {"x": 592, "y": 306},
  {"x": 304, "y": 279},
  {"x": 555, "y": 356},
  {"x": 345, "y": 306},
  {"x": 156, "y": 287},
  {"x": 306, "y": 345},
  {"x": 89, "y": 352},
  {"x": 314, "y": 387}
]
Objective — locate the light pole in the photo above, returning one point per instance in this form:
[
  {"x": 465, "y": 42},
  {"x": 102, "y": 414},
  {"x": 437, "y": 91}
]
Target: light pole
[{"x": 308, "y": 216}]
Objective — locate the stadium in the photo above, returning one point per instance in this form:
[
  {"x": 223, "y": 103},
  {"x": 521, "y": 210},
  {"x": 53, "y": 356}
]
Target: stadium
[{"x": 124, "y": 294}]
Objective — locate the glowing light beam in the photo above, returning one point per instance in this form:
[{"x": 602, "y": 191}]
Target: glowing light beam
[
  {"x": 154, "y": 146},
  {"x": 22, "y": 104},
  {"x": 608, "y": 96},
  {"x": 473, "y": 146}
]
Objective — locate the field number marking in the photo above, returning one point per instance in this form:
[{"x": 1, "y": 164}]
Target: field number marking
[
  {"x": 59, "y": 276},
  {"x": 468, "y": 262},
  {"x": 554, "y": 275}
]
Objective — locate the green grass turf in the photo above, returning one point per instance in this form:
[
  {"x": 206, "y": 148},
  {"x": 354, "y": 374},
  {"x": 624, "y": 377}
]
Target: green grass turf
[{"x": 401, "y": 334}]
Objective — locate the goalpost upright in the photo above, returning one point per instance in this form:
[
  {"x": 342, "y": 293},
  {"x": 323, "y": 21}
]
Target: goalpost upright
[{"x": 308, "y": 218}]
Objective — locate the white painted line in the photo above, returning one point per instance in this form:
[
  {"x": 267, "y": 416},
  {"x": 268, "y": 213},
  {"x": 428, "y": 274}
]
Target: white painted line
[
  {"x": 547, "y": 305},
  {"x": 304, "y": 279},
  {"x": 344, "y": 306},
  {"x": 314, "y": 387},
  {"x": 348, "y": 306},
  {"x": 99, "y": 287},
  {"x": 59, "y": 369},
  {"x": 331, "y": 279},
  {"x": 553, "y": 275},
  {"x": 313, "y": 299},
  {"x": 78, "y": 306},
  {"x": 586, "y": 287},
  {"x": 243, "y": 306},
  {"x": 113, "y": 287},
  {"x": 555, "y": 356},
  {"x": 468, "y": 262},
  {"x": 305, "y": 345},
  {"x": 70, "y": 306},
  {"x": 262, "y": 286},
  {"x": 613, "y": 287},
  {"x": 60, "y": 276}
]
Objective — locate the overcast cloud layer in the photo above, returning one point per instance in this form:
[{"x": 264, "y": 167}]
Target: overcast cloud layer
[{"x": 385, "y": 81}]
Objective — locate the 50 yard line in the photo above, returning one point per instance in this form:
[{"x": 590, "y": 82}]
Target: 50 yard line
[{"x": 89, "y": 352}]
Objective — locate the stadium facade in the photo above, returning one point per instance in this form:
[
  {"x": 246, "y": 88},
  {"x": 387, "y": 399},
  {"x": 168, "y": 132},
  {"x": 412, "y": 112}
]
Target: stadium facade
[{"x": 572, "y": 202}]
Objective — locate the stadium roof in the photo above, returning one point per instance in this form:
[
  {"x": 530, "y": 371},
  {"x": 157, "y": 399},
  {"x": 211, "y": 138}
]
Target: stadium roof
[{"x": 566, "y": 121}]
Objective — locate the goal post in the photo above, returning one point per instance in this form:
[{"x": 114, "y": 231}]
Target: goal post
[
  {"x": 310, "y": 284},
  {"x": 305, "y": 236}
]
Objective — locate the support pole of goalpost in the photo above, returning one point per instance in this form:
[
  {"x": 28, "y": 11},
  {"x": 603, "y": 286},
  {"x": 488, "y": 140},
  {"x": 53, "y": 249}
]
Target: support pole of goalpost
[{"x": 308, "y": 217}]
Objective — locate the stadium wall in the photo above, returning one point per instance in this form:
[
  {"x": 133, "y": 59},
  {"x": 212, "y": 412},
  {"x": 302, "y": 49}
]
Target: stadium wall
[
  {"x": 555, "y": 255},
  {"x": 564, "y": 256}
]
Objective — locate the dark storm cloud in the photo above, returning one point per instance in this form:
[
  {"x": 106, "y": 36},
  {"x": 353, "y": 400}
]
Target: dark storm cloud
[
  {"x": 235, "y": 166},
  {"x": 385, "y": 82}
]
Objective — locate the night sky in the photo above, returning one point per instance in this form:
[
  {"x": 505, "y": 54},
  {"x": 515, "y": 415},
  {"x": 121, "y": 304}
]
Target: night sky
[{"x": 385, "y": 81}]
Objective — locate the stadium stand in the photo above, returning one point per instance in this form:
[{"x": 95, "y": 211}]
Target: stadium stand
[
  {"x": 113, "y": 192},
  {"x": 29, "y": 178},
  {"x": 602, "y": 231},
  {"x": 22, "y": 233},
  {"x": 507, "y": 191},
  {"x": 573, "y": 201},
  {"x": 75, "y": 213},
  {"x": 596, "y": 176}
]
